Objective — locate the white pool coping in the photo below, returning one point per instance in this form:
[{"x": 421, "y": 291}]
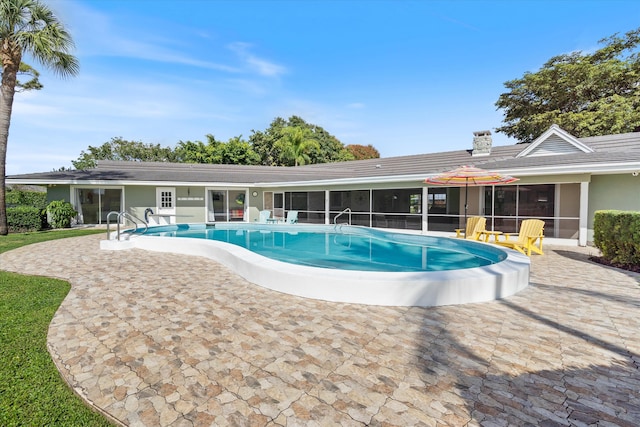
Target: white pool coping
[{"x": 424, "y": 289}]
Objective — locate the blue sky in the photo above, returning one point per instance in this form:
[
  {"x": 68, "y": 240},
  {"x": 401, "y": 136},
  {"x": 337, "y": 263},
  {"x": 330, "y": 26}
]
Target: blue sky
[{"x": 408, "y": 77}]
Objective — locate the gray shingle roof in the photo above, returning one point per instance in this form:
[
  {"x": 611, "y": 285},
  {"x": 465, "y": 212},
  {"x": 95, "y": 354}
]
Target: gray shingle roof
[{"x": 622, "y": 149}]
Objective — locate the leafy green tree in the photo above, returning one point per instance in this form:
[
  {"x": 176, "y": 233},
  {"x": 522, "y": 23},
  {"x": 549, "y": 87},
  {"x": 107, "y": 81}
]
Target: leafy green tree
[
  {"x": 274, "y": 144},
  {"x": 363, "y": 152},
  {"x": 121, "y": 149},
  {"x": 269, "y": 144},
  {"x": 284, "y": 143},
  {"x": 236, "y": 151},
  {"x": 198, "y": 151},
  {"x": 329, "y": 148},
  {"x": 299, "y": 142},
  {"x": 585, "y": 94},
  {"x": 27, "y": 27}
]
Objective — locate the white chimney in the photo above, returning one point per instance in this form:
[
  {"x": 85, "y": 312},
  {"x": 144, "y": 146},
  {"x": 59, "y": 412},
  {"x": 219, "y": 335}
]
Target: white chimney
[{"x": 481, "y": 143}]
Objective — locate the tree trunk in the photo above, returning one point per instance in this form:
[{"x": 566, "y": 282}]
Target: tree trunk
[{"x": 10, "y": 66}]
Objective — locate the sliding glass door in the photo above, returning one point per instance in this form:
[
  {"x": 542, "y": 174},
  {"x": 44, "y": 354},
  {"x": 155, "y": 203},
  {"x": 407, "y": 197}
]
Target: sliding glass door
[
  {"x": 94, "y": 204},
  {"x": 226, "y": 205}
]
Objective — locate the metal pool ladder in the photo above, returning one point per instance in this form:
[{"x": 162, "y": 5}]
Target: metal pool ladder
[
  {"x": 335, "y": 218},
  {"x": 120, "y": 216}
]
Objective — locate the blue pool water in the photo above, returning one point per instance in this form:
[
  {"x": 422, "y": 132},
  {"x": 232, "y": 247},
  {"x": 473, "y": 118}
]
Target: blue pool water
[{"x": 343, "y": 247}]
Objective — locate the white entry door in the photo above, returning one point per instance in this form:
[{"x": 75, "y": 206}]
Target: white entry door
[{"x": 165, "y": 205}]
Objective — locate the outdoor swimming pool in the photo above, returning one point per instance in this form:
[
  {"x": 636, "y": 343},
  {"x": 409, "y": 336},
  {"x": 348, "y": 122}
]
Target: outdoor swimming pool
[
  {"x": 347, "y": 248},
  {"x": 348, "y": 264}
]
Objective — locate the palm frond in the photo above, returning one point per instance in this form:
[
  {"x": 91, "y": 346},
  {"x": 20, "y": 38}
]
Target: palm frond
[{"x": 33, "y": 27}]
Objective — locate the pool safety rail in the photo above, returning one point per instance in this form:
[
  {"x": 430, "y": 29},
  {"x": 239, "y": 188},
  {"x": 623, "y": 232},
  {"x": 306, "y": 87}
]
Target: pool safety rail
[
  {"x": 120, "y": 216},
  {"x": 335, "y": 218}
]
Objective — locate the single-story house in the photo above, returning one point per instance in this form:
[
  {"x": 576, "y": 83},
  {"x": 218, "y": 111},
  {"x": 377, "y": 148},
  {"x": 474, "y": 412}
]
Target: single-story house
[{"x": 563, "y": 180}]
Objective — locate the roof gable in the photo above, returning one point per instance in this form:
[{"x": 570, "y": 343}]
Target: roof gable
[{"x": 554, "y": 141}]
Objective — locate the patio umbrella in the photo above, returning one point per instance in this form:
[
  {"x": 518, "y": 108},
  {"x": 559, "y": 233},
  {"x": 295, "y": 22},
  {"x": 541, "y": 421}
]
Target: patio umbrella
[{"x": 469, "y": 175}]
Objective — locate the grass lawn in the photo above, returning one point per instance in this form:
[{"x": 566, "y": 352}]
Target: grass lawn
[{"x": 32, "y": 393}]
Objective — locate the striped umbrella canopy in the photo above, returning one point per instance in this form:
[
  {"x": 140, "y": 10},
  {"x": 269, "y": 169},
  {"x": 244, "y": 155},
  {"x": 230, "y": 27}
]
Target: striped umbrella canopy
[{"x": 469, "y": 175}]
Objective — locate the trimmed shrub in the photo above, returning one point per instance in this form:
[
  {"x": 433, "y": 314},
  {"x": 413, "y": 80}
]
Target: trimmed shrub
[
  {"x": 60, "y": 214},
  {"x": 23, "y": 206},
  {"x": 617, "y": 235},
  {"x": 24, "y": 218},
  {"x": 36, "y": 199}
]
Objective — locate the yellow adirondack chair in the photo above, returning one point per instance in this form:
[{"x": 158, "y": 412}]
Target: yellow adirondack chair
[
  {"x": 475, "y": 227},
  {"x": 531, "y": 231}
]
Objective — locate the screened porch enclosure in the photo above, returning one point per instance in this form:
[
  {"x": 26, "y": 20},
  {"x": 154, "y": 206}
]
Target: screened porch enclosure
[
  {"x": 436, "y": 209},
  {"x": 396, "y": 208},
  {"x": 505, "y": 207},
  {"x": 558, "y": 205}
]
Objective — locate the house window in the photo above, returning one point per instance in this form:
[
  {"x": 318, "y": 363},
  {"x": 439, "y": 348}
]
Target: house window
[{"x": 165, "y": 200}]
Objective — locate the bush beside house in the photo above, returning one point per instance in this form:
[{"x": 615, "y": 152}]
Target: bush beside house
[
  {"x": 617, "y": 235},
  {"x": 26, "y": 210},
  {"x": 60, "y": 214}
]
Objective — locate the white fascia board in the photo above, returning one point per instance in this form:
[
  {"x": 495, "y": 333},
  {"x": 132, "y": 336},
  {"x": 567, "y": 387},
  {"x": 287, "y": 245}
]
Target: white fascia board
[
  {"x": 605, "y": 168},
  {"x": 189, "y": 184},
  {"x": 126, "y": 183},
  {"x": 341, "y": 181}
]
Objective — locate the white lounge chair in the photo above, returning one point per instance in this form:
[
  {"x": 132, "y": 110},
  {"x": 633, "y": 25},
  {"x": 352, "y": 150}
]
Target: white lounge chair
[
  {"x": 292, "y": 217},
  {"x": 264, "y": 216}
]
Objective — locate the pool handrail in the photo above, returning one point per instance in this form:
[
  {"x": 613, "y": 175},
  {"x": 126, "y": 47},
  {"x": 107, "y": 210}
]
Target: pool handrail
[
  {"x": 347, "y": 210},
  {"x": 125, "y": 215}
]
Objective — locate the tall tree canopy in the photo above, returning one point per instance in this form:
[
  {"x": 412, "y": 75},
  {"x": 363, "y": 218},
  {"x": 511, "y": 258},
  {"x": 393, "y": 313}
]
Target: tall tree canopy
[
  {"x": 300, "y": 144},
  {"x": 587, "y": 94},
  {"x": 121, "y": 149},
  {"x": 274, "y": 145},
  {"x": 234, "y": 152},
  {"x": 290, "y": 142},
  {"x": 27, "y": 27},
  {"x": 363, "y": 152}
]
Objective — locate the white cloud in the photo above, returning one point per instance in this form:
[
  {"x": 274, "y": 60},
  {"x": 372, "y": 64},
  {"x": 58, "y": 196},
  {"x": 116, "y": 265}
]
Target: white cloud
[
  {"x": 99, "y": 35},
  {"x": 261, "y": 66}
]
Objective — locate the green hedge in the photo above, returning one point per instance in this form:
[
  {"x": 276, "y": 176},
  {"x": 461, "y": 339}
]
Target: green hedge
[
  {"x": 24, "y": 218},
  {"x": 617, "y": 235},
  {"x": 37, "y": 199},
  {"x": 26, "y": 210}
]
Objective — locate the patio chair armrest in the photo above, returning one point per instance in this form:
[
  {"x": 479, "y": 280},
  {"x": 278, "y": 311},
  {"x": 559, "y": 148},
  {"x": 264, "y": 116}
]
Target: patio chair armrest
[{"x": 507, "y": 236}]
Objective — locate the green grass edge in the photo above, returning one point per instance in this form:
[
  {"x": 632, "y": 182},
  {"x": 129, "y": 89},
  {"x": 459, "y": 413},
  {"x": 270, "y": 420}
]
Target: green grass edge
[{"x": 32, "y": 392}]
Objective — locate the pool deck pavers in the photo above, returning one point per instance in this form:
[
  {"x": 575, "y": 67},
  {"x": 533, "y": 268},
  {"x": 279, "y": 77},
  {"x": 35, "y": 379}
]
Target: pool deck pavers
[{"x": 155, "y": 339}]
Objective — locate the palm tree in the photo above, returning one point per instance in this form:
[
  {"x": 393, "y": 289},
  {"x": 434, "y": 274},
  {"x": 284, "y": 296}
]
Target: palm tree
[
  {"x": 27, "y": 27},
  {"x": 298, "y": 145}
]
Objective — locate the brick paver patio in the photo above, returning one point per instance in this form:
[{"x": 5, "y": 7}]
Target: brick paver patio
[{"x": 165, "y": 340}]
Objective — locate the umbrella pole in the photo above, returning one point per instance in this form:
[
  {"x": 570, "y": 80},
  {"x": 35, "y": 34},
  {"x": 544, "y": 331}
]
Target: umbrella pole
[{"x": 466, "y": 189}]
